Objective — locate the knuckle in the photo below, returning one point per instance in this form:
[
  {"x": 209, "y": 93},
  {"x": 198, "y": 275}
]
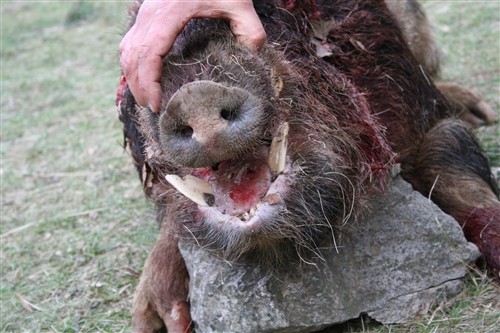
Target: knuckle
[
  {"x": 143, "y": 51},
  {"x": 259, "y": 36}
]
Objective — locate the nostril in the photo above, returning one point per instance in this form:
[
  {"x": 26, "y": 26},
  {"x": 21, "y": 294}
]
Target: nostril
[
  {"x": 229, "y": 114},
  {"x": 215, "y": 166},
  {"x": 185, "y": 131}
]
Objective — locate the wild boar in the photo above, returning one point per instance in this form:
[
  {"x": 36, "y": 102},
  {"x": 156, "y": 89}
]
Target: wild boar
[{"x": 264, "y": 155}]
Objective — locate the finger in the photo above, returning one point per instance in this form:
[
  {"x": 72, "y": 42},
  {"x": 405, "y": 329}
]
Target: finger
[
  {"x": 131, "y": 46},
  {"x": 244, "y": 21},
  {"x": 158, "y": 41},
  {"x": 128, "y": 64},
  {"x": 248, "y": 29},
  {"x": 149, "y": 69}
]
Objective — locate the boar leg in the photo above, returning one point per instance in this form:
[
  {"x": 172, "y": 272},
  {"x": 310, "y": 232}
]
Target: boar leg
[
  {"x": 450, "y": 167},
  {"x": 161, "y": 297},
  {"x": 468, "y": 105}
]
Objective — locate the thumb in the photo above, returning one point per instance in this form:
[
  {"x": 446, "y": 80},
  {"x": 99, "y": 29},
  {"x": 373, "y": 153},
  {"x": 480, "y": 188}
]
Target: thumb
[{"x": 248, "y": 29}]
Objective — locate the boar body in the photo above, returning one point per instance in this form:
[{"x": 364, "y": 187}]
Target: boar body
[{"x": 278, "y": 149}]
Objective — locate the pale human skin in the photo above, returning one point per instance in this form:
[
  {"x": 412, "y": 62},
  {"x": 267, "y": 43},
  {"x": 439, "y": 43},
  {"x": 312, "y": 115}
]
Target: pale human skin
[{"x": 158, "y": 24}]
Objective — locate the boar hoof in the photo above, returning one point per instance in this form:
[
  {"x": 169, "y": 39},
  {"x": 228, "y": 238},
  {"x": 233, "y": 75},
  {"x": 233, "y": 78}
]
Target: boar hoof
[{"x": 147, "y": 320}]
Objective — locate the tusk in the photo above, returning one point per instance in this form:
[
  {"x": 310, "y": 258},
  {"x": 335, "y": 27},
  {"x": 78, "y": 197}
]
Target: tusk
[
  {"x": 277, "y": 152},
  {"x": 192, "y": 188},
  {"x": 252, "y": 211}
]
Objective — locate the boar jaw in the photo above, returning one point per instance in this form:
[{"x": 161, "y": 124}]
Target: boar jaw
[
  {"x": 266, "y": 209},
  {"x": 241, "y": 190}
]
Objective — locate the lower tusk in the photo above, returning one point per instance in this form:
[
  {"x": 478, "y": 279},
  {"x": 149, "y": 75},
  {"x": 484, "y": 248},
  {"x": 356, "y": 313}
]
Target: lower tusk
[{"x": 192, "y": 188}]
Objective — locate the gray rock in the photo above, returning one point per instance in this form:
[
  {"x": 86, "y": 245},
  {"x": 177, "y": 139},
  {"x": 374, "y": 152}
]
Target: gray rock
[{"x": 400, "y": 259}]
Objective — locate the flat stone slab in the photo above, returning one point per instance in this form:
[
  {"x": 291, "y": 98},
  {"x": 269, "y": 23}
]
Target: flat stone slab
[{"x": 400, "y": 259}]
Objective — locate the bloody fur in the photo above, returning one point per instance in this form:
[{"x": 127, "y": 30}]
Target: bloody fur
[{"x": 352, "y": 114}]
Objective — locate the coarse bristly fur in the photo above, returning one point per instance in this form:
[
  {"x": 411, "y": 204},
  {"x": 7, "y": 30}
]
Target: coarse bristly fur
[{"x": 367, "y": 102}]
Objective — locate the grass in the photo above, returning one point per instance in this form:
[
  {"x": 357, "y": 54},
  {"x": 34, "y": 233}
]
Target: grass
[
  {"x": 469, "y": 33},
  {"x": 75, "y": 228},
  {"x": 82, "y": 228}
]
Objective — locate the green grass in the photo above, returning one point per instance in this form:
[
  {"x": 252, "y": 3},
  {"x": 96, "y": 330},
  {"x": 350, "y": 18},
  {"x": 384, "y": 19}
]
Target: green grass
[
  {"x": 75, "y": 226},
  {"x": 82, "y": 228},
  {"x": 469, "y": 33}
]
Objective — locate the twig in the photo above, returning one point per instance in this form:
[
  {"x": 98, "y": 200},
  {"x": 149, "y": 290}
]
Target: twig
[{"x": 28, "y": 306}]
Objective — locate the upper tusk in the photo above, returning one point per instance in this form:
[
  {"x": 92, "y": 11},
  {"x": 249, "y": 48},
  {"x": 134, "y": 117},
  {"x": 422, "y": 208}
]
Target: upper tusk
[{"x": 277, "y": 152}]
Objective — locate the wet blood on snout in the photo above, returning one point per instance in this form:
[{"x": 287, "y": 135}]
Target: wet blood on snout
[
  {"x": 240, "y": 187},
  {"x": 203, "y": 173}
]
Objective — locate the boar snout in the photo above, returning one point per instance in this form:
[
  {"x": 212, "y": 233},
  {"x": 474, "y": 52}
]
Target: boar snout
[{"x": 207, "y": 122}]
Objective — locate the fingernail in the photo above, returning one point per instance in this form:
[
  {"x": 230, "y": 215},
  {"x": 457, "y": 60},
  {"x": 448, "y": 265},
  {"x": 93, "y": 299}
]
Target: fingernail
[{"x": 152, "y": 107}]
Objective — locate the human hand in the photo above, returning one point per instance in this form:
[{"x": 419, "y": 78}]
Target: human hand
[{"x": 157, "y": 25}]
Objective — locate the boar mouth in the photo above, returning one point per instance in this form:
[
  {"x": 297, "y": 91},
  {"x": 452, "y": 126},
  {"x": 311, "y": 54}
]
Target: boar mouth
[{"x": 244, "y": 191}]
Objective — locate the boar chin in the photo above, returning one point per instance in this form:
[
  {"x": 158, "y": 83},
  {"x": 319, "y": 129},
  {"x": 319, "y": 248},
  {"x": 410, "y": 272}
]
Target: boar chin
[{"x": 271, "y": 204}]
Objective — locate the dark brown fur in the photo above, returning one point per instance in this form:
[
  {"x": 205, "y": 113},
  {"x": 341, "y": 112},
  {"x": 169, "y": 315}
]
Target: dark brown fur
[{"x": 353, "y": 113}]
